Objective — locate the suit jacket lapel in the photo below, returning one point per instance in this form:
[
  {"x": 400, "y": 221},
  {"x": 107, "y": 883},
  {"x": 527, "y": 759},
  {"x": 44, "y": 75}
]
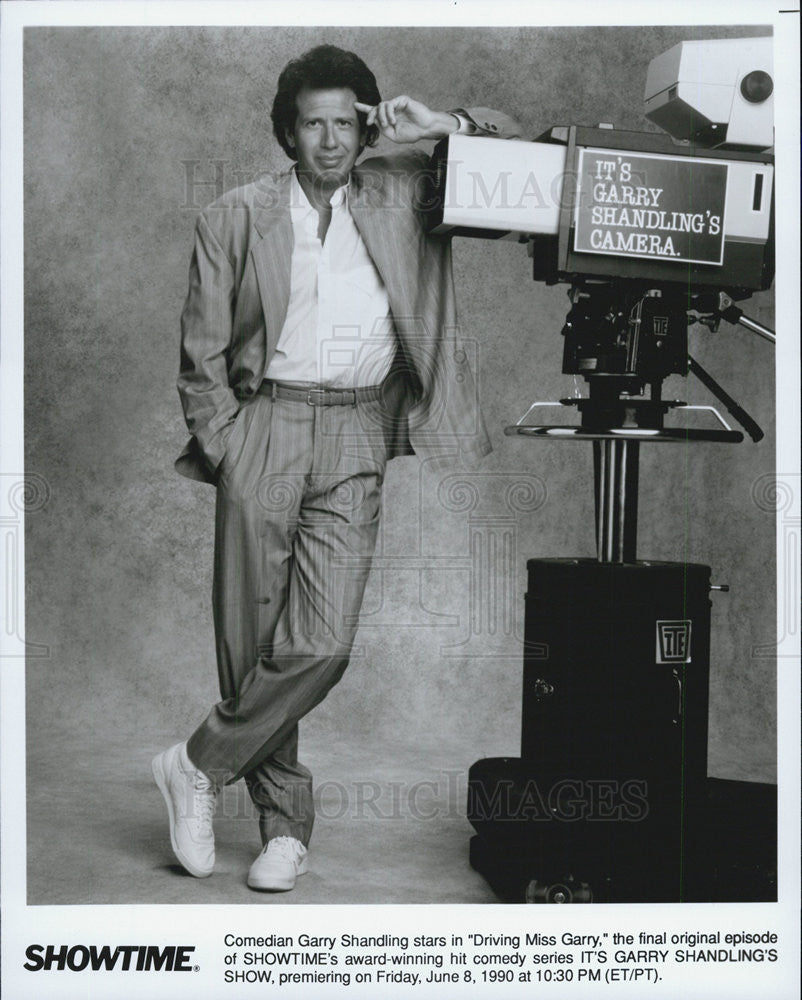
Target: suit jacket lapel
[
  {"x": 390, "y": 241},
  {"x": 394, "y": 240},
  {"x": 272, "y": 255}
]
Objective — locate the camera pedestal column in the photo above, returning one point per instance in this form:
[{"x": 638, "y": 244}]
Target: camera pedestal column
[{"x": 615, "y": 465}]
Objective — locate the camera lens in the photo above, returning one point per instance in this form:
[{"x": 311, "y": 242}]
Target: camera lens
[{"x": 757, "y": 86}]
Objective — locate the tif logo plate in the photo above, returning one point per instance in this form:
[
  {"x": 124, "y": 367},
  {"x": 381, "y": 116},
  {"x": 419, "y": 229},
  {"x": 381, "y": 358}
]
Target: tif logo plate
[{"x": 673, "y": 641}]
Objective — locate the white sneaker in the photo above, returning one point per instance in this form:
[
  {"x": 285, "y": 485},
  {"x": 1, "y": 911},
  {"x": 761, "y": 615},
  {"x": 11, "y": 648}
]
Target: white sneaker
[
  {"x": 190, "y": 798},
  {"x": 281, "y": 861}
]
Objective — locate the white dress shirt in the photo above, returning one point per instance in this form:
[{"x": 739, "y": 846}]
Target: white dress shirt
[{"x": 338, "y": 330}]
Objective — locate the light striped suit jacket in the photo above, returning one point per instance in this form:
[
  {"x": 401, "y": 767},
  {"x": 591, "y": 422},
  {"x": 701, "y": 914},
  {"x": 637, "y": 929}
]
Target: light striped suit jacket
[{"x": 239, "y": 286}]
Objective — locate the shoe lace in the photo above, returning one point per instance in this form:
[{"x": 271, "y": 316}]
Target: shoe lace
[
  {"x": 205, "y": 801},
  {"x": 287, "y": 848}
]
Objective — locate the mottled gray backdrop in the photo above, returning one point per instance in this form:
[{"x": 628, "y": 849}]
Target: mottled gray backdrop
[{"x": 118, "y": 122}]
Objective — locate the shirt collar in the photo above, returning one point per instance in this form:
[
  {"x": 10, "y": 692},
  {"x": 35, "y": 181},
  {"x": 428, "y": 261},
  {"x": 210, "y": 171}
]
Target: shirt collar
[{"x": 300, "y": 206}]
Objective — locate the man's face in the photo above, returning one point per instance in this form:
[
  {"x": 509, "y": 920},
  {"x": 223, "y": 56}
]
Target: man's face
[{"x": 327, "y": 136}]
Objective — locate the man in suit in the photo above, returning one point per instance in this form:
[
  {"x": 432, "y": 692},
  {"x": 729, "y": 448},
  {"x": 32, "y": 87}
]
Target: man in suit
[{"x": 319, "y": 340}]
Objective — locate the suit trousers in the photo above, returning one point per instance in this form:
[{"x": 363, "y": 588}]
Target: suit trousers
[{"x": 297, "y": 515}]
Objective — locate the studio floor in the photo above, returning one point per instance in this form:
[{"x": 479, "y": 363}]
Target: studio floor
[
  {"x": 390, "y": 828},
  {"x": 391, "y": 825}
]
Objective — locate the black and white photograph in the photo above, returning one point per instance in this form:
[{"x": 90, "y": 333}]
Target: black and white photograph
[{"x": 401, "y": 500}]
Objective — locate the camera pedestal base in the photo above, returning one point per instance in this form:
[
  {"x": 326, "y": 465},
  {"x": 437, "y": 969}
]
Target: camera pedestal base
[
  {"x": 613, "y": 763},
  {"x": 732, "y": 857}
]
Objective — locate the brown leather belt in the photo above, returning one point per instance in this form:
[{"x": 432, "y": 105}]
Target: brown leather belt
[{"x": 317, "y": 395}]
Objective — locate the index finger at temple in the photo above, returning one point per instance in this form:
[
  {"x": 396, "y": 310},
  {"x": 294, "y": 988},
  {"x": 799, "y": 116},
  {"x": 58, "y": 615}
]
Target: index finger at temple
[{"x": 368, "y": 110}]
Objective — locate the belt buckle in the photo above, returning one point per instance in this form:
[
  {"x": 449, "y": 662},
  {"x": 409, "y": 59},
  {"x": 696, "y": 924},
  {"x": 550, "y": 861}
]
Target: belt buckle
[{"x": 310, "y": 401}]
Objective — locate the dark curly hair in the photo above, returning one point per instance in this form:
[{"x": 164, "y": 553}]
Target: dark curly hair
[{"x": 322, "y": 68}]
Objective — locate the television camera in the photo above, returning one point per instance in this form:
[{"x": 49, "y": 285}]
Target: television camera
[{"x": 653, "y": 232}]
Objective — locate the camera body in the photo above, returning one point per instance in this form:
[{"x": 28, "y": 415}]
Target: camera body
[
  {"x": 695, "y": 210},
  {"x": 604, "y": 203}
]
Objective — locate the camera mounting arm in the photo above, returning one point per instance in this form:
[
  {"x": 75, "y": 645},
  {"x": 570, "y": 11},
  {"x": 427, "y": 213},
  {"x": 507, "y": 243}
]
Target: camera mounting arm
[
  {"x": 750, "y": 425},
  {"x": 709, "y": 309},
  {"x": 724, "y": 308}
]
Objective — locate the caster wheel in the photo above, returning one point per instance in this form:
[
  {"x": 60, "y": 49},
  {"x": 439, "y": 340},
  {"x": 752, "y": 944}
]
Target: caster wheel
[{"x": 565, "y": 890}]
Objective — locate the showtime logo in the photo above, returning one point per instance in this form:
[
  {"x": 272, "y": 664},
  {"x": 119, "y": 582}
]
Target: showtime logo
[{"x": 122, "y": 958}]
